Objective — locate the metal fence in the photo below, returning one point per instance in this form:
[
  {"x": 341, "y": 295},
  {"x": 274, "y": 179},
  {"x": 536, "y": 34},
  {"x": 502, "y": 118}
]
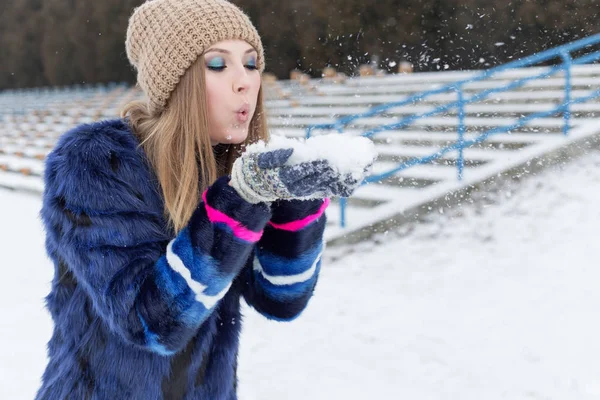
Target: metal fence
[{"x": 563, "y": 52}]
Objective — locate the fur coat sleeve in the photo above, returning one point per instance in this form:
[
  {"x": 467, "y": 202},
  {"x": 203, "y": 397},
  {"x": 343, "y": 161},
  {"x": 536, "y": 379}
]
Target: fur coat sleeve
[
  {"x": 104, "y": 222},
  {"x": 287, "y": 260}
]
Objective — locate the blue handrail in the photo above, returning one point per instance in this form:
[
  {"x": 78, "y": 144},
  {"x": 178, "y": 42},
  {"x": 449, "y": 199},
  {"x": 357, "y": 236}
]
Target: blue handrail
[{"x": 562, "y": 52}]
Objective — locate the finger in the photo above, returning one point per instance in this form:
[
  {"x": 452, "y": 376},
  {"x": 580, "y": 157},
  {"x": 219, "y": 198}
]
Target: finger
[
  {"x": 294, "y": 173},
  {"x": 343, "y": 190},
  {"x": 347, "y": 185},
  {"x": 351, "y": 180},
  {"x": 274, "y": 159},
  {"x": 314, "y": 183}
]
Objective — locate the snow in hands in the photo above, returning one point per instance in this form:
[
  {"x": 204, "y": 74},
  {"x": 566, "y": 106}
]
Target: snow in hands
[
  {"x": 317, "y": 168},
  {"x": 352, "y": 155}
]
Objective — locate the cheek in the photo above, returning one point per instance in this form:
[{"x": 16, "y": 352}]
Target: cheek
[
  {"x": 212, "y": 91},
  {"x": 214, "y": 97},
  {"x": 256, "y": 82}
]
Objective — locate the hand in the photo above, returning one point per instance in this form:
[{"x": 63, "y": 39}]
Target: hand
[{"x": 264, "y": 177}]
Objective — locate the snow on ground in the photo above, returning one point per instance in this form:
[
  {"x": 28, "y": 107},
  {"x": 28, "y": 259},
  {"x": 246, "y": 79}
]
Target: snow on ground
[{"x": 499, "y": 301}]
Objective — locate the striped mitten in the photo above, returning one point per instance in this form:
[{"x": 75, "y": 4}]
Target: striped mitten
[{"x": 266, "y": 177}]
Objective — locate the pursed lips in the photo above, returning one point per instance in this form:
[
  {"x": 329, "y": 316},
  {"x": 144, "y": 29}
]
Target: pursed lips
[{"x": 243, "y": 113}]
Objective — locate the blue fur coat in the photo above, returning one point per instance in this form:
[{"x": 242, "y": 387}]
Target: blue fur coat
[{"x": 143, "y": 314}]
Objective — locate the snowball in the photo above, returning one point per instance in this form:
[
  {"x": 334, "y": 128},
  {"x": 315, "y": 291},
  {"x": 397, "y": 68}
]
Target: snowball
[{"x": 347, "y": 154}]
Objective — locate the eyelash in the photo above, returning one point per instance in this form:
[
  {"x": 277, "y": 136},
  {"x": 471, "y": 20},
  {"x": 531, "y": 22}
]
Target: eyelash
[{"x": 221, "y": 68}]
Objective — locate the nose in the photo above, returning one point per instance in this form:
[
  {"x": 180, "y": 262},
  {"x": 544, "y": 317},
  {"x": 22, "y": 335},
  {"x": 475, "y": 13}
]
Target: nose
[{"x": 242, "y": 82}]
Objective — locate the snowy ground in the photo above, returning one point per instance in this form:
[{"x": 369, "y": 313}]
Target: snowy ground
[{"x": 499, "y": 301}]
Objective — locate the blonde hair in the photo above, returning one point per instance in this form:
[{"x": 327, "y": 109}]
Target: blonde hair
[{"x": 178, "y": 145}]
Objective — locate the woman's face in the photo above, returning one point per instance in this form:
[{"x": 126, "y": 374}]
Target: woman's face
[{"x": 232, "y": 85}]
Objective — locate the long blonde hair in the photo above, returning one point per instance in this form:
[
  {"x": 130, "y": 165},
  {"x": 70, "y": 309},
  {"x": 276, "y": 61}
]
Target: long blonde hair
[{"x": 178, "y": 146}]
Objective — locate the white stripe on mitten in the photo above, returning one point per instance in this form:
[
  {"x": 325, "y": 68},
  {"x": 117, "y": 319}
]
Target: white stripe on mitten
[{"x": 239, "y": 184}]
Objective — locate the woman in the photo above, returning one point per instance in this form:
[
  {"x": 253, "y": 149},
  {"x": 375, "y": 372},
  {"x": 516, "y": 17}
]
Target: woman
[{"x": 153, "y": 243}]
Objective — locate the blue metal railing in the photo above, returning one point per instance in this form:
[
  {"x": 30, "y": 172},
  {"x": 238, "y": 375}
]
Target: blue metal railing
[{"x": 563, "y": 52}]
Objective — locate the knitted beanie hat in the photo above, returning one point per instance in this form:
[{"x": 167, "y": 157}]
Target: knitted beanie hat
[{"x": 165, "y": 37}]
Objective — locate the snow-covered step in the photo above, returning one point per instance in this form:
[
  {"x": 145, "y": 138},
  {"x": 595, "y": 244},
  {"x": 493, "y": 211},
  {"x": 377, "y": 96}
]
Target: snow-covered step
[
  {"x": 48, "y": 129},
  {"x": 547, "y": 83},
  {"x": 16, "y": 181},
  {"x": 17, "y": 163},
  {"x": 34, "y": 124},
  {"x": 31, "y": 149},
  {"x": 431, "y": 121},
  {"x": 48, "y": 125},
  {"x": 423, "y": 151},
  {"x": 401, "y": 136},
  {"x": 377, "y": 191},
  {"x": 453, "y": 76},
  {"x": 38, "y": 144},
  {"x": 333, "y": 214},
  {"x": 336, "y": 111},
  {"x": 359, "y": 99},
  {"x": 422, "y": 171},
  {"x": 411, "y": 135}
]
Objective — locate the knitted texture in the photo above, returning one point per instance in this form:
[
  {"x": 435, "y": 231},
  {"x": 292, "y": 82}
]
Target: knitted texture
[
  {"x": 265, "y": 177},
  {"x": 165, "y": 37}
]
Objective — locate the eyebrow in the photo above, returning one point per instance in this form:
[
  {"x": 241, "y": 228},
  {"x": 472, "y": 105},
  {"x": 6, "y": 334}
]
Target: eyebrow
[{"x": 250, "y": 50}]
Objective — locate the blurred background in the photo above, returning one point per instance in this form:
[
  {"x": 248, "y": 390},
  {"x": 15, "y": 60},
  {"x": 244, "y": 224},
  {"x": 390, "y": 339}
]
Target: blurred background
[{"x": 66, "y": 42}]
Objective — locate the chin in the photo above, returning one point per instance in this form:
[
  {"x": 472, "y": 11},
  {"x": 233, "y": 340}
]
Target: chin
[
  {"x": 235, "y": 137},
  {"x": 239, "y": 140}
]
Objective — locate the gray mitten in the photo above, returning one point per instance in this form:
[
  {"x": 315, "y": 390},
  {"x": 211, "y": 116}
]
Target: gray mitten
[{"x": 265, "y": 177}]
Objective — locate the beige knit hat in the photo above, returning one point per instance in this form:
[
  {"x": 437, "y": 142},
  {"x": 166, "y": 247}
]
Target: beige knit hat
[{"x": 165, "y": 37}]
